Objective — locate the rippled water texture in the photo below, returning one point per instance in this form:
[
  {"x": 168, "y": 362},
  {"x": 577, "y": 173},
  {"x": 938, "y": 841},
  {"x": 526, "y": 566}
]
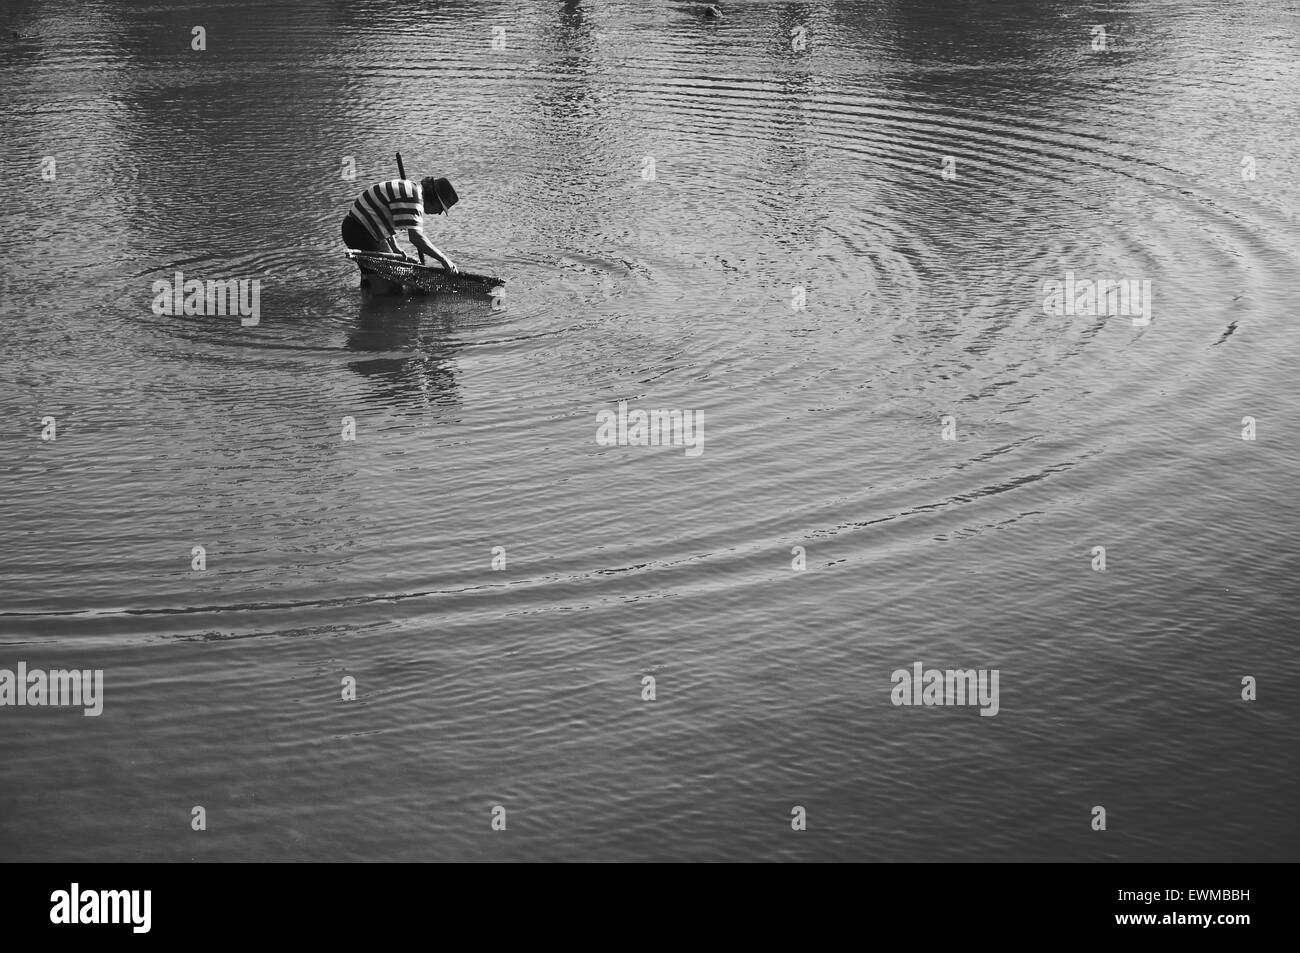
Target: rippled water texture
[{"x": 774, "y": 169}]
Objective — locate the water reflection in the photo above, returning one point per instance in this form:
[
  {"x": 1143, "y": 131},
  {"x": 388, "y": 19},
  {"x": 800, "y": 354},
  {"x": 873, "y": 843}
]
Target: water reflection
[{"x": 423, "y": 327}]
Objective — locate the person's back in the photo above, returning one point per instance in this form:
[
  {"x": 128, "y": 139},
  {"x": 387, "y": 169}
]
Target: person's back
[
  {"x": 388, "y": 207},
  {"x": 385, "y": 208}
]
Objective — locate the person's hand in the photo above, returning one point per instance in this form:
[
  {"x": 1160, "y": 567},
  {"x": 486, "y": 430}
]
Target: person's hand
[{"x": 450, "y": 266}]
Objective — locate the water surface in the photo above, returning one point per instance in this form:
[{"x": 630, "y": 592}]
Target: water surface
[{"x": 775, "y": 169}]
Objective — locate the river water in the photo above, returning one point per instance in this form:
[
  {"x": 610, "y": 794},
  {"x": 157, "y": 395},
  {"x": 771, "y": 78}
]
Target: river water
[{"x": 829, "y": 229}]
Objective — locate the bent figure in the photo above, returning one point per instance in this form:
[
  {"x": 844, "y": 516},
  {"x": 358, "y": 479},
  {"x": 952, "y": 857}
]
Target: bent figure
[{"x": 382, "y": 209}]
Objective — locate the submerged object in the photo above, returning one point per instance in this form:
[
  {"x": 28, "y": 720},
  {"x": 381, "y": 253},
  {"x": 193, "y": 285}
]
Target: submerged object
[{"x": 427, "y": 278}]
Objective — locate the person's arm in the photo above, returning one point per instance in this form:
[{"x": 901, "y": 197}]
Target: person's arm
[{"x": 421, "y": 241}]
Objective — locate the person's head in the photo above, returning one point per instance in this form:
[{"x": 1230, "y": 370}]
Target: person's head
[{"x": 438, "y": 194}]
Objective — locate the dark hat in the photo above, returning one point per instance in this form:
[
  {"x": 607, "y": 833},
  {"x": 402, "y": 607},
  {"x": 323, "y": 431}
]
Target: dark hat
[{"x": 441, "y": 190}]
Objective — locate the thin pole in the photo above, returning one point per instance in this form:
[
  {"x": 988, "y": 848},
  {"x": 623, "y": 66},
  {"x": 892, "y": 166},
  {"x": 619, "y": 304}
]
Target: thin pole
[{"x": 401, "y": 171}]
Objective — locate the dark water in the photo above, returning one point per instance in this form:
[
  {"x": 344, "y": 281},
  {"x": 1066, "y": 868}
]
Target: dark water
[{"x": 774, "y": 168}]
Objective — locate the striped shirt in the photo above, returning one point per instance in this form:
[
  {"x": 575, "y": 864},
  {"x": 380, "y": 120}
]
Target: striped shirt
[{"x": 389, "y": 206}]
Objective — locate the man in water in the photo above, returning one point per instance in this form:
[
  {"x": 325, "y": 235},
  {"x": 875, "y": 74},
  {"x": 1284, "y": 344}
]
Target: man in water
[{"x": 382, "y": 209}]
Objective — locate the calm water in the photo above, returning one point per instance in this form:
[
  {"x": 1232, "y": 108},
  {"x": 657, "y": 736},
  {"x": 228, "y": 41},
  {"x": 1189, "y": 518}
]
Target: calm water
[{"x": 774, "y": 168}]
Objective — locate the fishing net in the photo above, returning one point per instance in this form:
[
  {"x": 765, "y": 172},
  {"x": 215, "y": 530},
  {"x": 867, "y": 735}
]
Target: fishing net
[{"x": 426, "y": 277}]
